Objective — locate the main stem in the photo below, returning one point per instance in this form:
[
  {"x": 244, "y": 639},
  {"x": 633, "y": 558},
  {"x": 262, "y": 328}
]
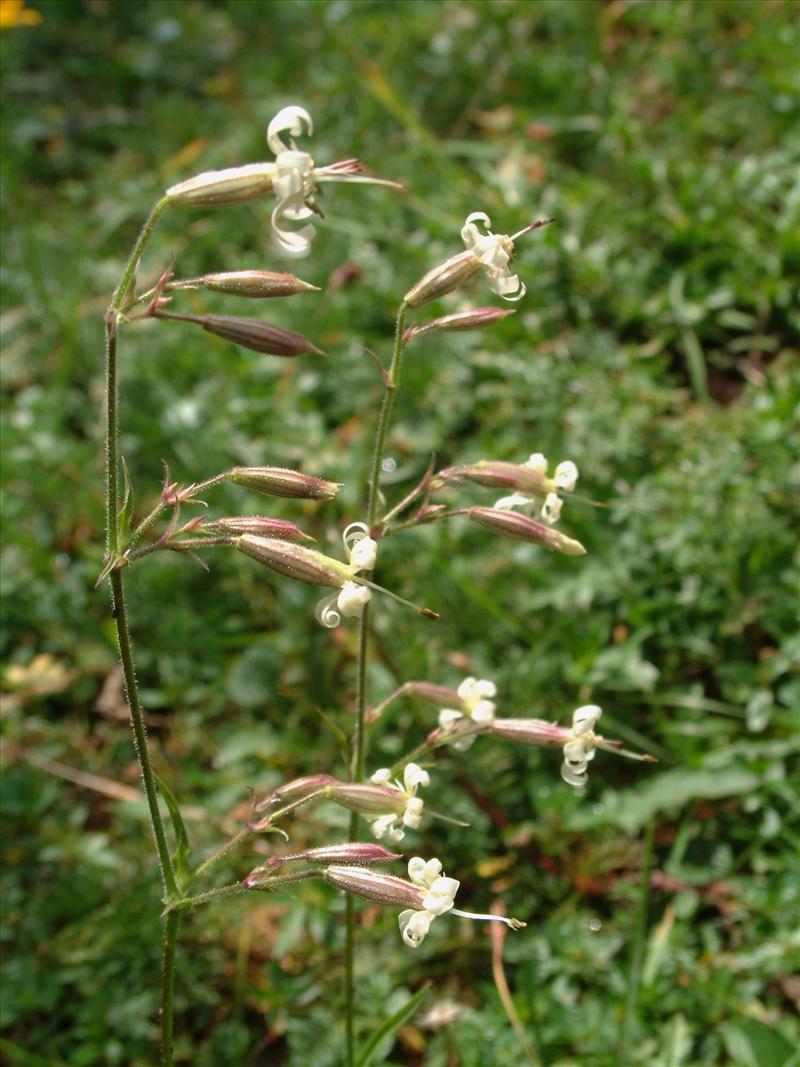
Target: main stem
[
  {"x": 171, "y": 923},
  {"x": 359, "y": 749}
]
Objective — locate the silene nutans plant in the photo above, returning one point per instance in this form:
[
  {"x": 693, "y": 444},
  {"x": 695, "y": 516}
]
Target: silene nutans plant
[{"x": 520, "y": 500}]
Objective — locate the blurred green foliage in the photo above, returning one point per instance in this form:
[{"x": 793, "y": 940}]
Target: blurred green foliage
[{"x": 657, "y": 348}]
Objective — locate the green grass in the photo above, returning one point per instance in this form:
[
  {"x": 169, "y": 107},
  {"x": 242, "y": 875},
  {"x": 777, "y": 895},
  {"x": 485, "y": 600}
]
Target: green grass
[{"x": 657, "y": 348}]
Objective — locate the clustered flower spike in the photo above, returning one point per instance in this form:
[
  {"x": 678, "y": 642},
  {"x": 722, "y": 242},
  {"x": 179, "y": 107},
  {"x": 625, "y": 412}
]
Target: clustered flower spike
[
  {"x": 387, "y": 825},
  {"x": 350, "y": 600},
  {"x": 475, "y": 695},
  {"x": 494, "y": 251},
  {"x": 545, "y": 505},
  {"x": 297, "y": 179}
]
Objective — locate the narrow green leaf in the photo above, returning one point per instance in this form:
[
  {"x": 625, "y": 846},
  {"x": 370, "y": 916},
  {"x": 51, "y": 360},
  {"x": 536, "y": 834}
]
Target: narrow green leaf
[
  {"x": 180, "y": 857},
  {"x": 125, "y": 516},
  {"x": 389, "y": 1026}
]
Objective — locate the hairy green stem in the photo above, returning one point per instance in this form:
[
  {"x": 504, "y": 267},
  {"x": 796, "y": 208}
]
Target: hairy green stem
[
  {"x": 358, "y": 753},
  {"x": 229, "y": 846},
  {"x": 123, "y": 631},
  {"x": 140, "y": 734},
  {"x": 171, "y": 926},
  {"x": 637, "y": 948}
]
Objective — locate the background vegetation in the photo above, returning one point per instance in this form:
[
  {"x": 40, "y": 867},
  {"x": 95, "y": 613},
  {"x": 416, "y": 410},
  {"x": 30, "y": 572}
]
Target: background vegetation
[{"x": 657, "y": 348}]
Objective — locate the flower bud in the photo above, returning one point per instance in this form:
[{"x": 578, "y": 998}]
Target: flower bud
[
  {"x": 250, "y": 283},
  {"x": 259, "y": 525},
  {"x": 256, "y": 335},
  {"x": 362, "y": 854},
  {"x": 442, "y": 279},
  {"x": 374, "y": 885},
  {"x": 512, "y": 524},
  {"x": 280, "y": 481},
  {"x": 470, "y": 319},
  {"x": 297, "y": 789},
  {"x": 221, "y": 188},
  {"x": 530, "y": 731},
  {"x": 294, "y": 561}
]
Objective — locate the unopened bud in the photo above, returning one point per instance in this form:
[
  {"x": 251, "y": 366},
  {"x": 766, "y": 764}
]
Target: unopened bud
[
  {"x": 256, "y": 335},
  {"x": 374, "y": 885},
  {"x": 442, "y": 279},
  {"x": 512, "y": 524},
  {"x": 220, "y": 188},
  {"x": 297, "y": 789},
  {"x": 250, "y": 283},
  {"x": 529, "y": 731},
  {"x": 357, "y": 853},
  {"x": 471, "y": 319},
  {"x": 295, "y": 561},
  {"x": 280, "y": 481},
  {"x": 259, "y": 525}
]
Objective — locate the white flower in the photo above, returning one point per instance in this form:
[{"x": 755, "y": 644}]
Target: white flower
[
  {"x": 494, "y": 252},
  {"x": 350, "y": 600},
  {"x": 387, "y": 825},
  {"x": 440, "y": 893},
  {"x": 581, "y": 746},
  {"x": 297, "y": 178},
  {"x": 474, "y": 694},
  {"x": 545, "y": 505}
]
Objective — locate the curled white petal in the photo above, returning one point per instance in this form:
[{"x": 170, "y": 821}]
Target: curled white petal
[
  {"x": 293, "y": 120},
  {"x": 573, "y": 777},
  {"x": 381, "y": 776},
  {"x": 293, "y": 243},
  {"x": 352, "y": 599},
  {"x": 414, "y": 776},
  {"x": 364, "y": 554},
  {"x": 483, "y": 712},
  {"x": 386, "y": 826},
  {"x": 585, "y": 718},
  {"x": 515, "y": 500},
  {"x": 326, "y": 613},
  {"x": 449, "y": 716},
  {"x": 414, "y": 926},
  {"x": 566, "y": 475},
  {"x": 470, "y": 234},
  {"x": 441, "y": 895},
  {"x": 537, "y": 463},
  {"x": 424, "y": 872},
  {"x": 551, "y": 508}
]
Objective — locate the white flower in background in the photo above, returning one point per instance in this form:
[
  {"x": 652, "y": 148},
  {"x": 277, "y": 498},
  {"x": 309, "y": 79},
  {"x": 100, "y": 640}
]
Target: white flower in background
[
  {"x": 475, "y": 694},
  {"x": 547, "y": 504},
  {"x": 494, "y": 251},
  {"x": 297, "y": 179},
  {"x": 350, "y": 600},
  {"x": 387, "y": 825},
  {"x": 580, "y": 748}
]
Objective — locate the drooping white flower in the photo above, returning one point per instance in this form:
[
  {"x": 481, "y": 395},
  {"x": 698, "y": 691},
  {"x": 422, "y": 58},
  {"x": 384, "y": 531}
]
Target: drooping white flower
[
  {"x": 439, "y": 898},
  {"x": 474, "y": 694},
  {"x": 494, "y": 252},
  {"x": 297, "y": 179},
  {"x": 350, "y": 600},
  {"x": 546, "y": 504},
  {"x": 581, "y": 746},
  {"x": 388, "y": 825}
]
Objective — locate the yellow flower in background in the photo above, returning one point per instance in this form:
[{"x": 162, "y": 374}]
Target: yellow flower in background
[{"x": 14, "y": 13}]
